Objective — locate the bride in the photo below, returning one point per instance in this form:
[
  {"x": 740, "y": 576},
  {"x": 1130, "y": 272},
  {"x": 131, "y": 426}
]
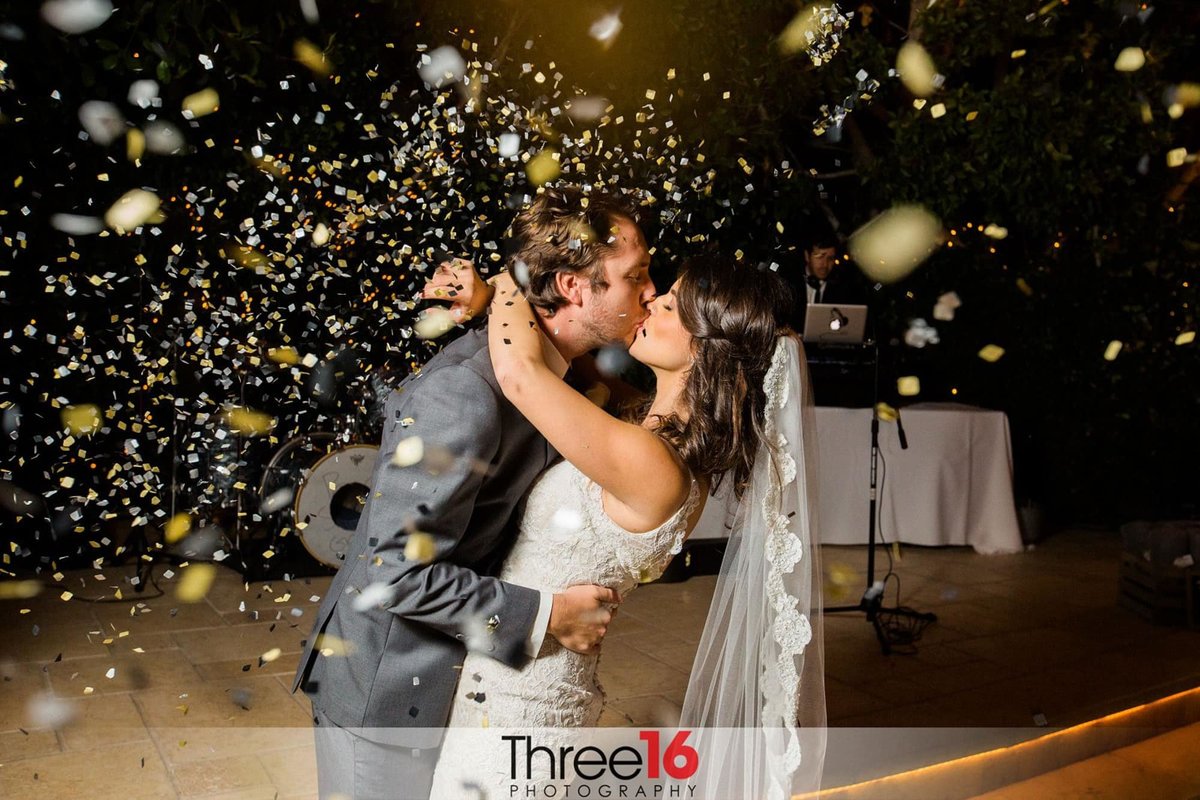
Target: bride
[{"x": 727, "y": 406}]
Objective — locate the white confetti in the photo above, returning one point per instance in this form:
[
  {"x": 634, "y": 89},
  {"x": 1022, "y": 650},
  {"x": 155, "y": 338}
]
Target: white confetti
[
  {"x": 76, "y": 16},
  {"x": 442, "y": 66},
  {"x": 103, "y": 121}
]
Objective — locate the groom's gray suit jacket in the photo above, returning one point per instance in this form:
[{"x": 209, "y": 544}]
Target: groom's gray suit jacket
[{"x": 397, "y": 665}]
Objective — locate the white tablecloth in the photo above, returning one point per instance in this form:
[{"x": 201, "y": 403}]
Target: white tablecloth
[{"x": 952, "y": 486}]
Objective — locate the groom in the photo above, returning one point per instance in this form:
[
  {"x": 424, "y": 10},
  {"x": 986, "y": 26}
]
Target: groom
[{"x": 417, "y": 586}]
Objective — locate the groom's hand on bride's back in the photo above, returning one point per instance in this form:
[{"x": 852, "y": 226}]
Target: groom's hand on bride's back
[{"x": 581, "y": 615}]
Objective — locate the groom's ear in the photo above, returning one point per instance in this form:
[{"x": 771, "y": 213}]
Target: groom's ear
[{"x": 571, "y": 287}]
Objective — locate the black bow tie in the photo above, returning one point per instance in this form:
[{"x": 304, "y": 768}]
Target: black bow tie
[{"x": 813, "y": 281}]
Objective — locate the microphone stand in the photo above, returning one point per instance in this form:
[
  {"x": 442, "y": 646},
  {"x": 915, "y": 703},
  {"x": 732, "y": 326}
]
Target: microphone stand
[{"x": 871, "y": 603}]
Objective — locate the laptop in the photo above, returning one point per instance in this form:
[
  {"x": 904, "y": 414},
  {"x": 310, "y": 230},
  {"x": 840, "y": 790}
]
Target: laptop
[{"x": 834, "y": 324}]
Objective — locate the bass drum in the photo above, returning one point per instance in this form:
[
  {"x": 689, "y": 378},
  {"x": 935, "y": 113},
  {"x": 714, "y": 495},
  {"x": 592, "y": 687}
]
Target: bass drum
[{"x": 328, "y": 484}]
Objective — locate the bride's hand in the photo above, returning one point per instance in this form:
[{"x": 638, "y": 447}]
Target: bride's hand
[{"x": 458, "y": 283}]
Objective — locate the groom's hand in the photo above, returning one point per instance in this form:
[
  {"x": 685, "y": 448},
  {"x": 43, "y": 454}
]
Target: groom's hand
[
  {"x": 580, "y": 616},
  {"x": 458, "y": 283}
]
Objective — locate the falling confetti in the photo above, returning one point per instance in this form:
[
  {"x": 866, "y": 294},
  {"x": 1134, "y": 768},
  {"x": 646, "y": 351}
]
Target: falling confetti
[
  {"x": 76, "y": 16},
  {"x": 991, "y": 353},
  {"x": 201, "y": 104},
  {"x": 908, "y": 386},
  {"x": 543, "y": 168},
  {"x": 408, "y": 452},
  {"x": 442, "y": 66},
  {"x": 916, "y": 69},
  {"x": 1131, "y": 59},
  {"x": 1113, "y": 350},
  {"x": 420, "y": 547},
  {"x": 132, "y": 210},
  {"x": 606, "y": 28},
  {"x": 194, "y": 582},
  {"x": 895, "y": 243}
]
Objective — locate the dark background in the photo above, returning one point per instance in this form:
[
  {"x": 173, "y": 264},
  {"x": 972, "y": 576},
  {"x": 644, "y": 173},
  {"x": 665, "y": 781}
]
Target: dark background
[{"x": 165, "y": 327}]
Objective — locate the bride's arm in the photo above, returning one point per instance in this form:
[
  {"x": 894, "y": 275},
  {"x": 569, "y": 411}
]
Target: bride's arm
[{"x": 633, "y": 464}]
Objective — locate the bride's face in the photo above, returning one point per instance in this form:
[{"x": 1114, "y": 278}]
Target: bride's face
[{"x": 661, "y": 341}]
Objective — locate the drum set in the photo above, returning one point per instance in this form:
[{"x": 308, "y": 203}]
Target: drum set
[{"x": 314, "y": 486}]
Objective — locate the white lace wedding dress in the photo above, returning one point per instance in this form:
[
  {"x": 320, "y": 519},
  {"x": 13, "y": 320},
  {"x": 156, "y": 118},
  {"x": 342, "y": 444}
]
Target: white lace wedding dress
[{"x": 565, "y": 539}]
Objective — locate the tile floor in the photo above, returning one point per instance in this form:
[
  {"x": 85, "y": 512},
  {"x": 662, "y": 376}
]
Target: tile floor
[{"x": 154, "y": 688}]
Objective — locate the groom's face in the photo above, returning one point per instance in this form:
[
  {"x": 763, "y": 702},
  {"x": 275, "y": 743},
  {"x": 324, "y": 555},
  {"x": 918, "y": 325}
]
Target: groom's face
[{"x": 613, "y": 314}]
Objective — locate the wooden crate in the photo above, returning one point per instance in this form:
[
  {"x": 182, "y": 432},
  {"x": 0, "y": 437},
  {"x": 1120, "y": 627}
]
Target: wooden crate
[{"x": 1156, "y": 593}]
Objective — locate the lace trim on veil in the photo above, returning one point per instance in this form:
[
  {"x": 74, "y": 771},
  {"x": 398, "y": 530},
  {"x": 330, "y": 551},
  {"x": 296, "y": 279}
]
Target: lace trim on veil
[{"x": 792, "y": 630}]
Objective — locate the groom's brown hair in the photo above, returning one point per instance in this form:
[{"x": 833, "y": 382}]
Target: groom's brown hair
[{"x": 565, "y": 229}]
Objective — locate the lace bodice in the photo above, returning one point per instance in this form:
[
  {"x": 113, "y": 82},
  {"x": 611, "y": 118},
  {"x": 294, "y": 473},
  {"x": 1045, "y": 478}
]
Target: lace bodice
[{"x": 565, "y": 539}]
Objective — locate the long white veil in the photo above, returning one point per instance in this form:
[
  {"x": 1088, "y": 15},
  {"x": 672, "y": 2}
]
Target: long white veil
[{"x": 756, "y": 696}]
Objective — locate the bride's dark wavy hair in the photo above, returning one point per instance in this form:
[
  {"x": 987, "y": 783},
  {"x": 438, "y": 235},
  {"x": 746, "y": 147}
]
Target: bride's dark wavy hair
[{"x": 734, "y": 315}]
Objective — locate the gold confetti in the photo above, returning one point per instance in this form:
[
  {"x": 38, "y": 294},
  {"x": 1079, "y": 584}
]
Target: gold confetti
[
  {"x": 194, "y": 582},
  {"x": 65, "y": 596},
  {"x": 1187, "y": 337},
  {"x": 133, "y": 209},
  {"x": 839, "y": 580},
  {"x": 886, "y": 412},
  {"x": 202, "y": 103},
  {"x": 994, "y": 231},
  {"x": 408, "y": 452},
  {"x": 177, "y": 528},
  {"x": 311, "y": 56},
  {"x": 246, "y": 421},
  {"x": 135, "y": 144},
  {"x": 1018, "y": 53},
  {"x": 543, "y": 167},
  {"x": 908, "y": 386},
  {"x": 1177, "y": 157},
  {"x": 1131, "y": 59},
  {"x": 82, "y": 419},
  {"x": 893, "y": 244},
  {"x": 434, "y": 322},
  {"x": 284, "y": 355},
  {"x": 937, "y": 111},
  {"x": 420, "y": 548},
  {"x": 1113, "y": 350},
  {"x": 991, "y": 353},
  {"x": 270, "y": 655},
  {"x": 917, "y": 72},
  {"x": 20, "y": 590},
  {"x": 331, "y": 646}
]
